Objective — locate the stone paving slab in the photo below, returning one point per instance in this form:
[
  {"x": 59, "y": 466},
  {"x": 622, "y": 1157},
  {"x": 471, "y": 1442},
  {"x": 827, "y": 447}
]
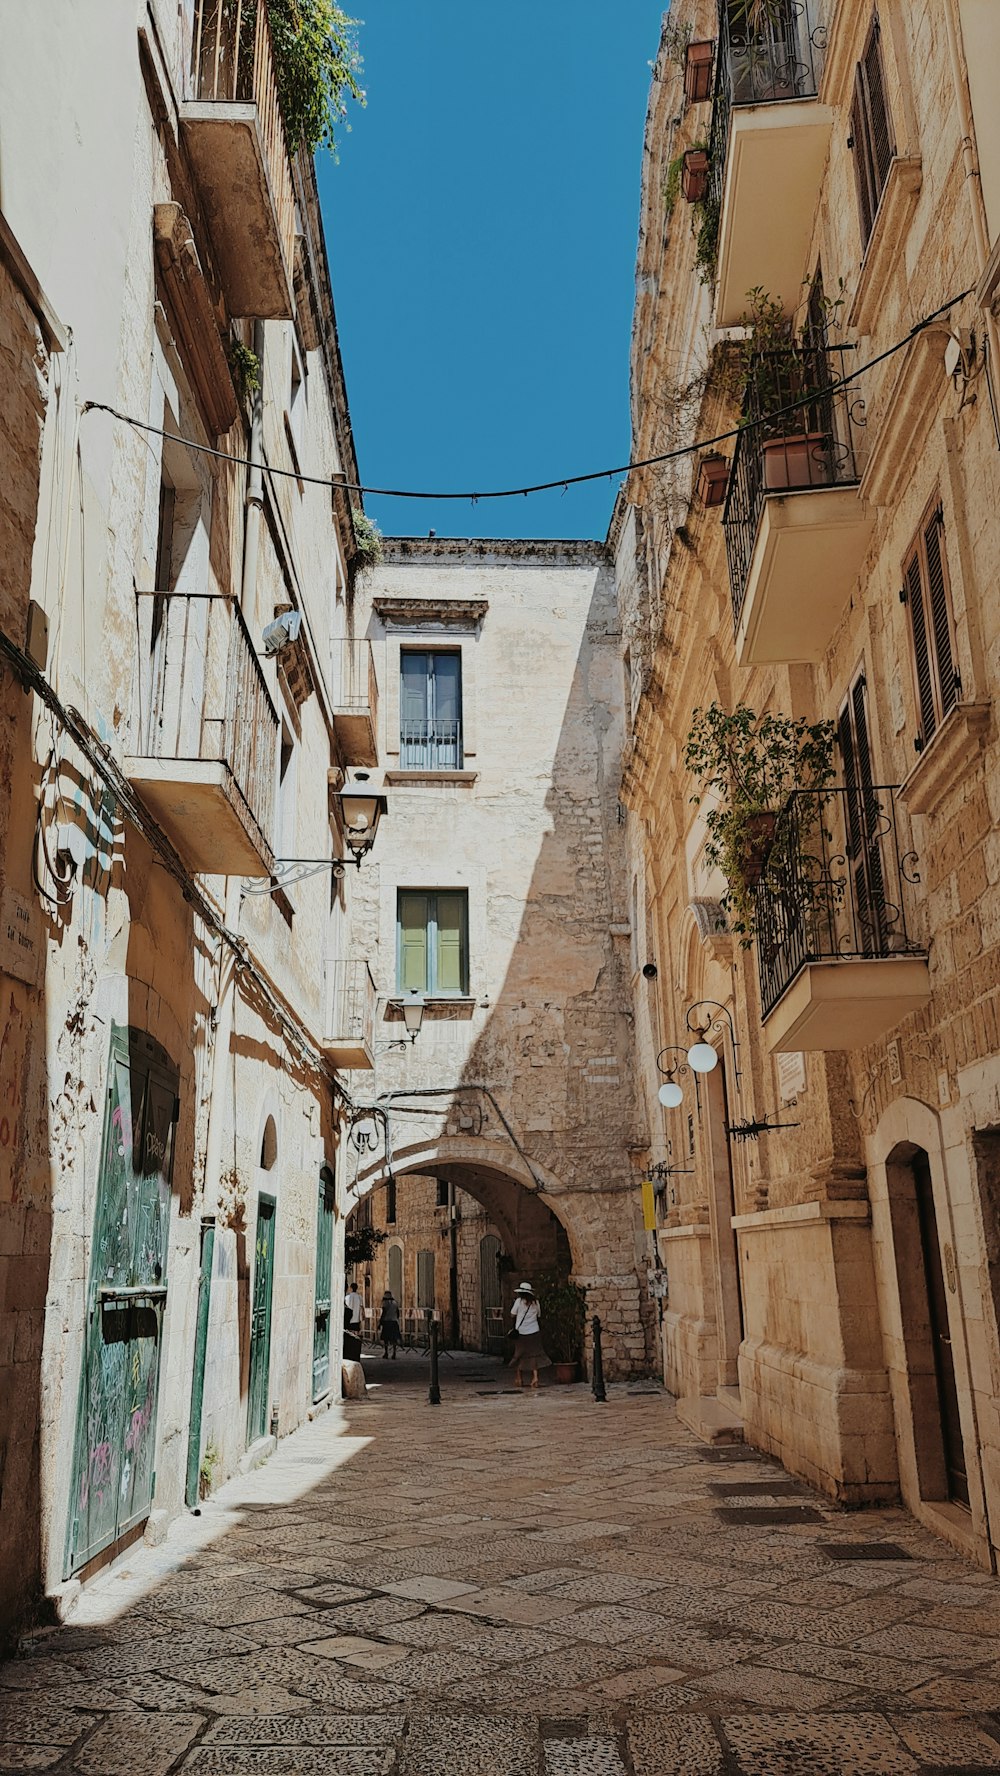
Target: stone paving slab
[{"x": 586, "y": 1613}]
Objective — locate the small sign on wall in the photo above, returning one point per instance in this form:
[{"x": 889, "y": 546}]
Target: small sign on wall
[
  {"x": 791, "y": 1070},
  {"x": 20, "y": 938}
]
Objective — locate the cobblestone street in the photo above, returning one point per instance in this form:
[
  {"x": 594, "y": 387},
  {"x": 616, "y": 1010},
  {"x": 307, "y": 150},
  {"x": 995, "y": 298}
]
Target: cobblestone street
[{"x": 515, "y": 1584}]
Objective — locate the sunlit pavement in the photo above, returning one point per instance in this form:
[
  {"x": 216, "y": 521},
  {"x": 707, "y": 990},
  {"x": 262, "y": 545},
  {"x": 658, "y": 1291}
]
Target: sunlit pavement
[{"x": 510, "y": 1584}]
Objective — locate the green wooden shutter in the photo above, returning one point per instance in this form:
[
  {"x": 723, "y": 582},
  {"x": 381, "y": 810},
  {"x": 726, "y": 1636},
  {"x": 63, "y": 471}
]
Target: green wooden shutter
[
  {"x": 413, "y": 918},
  {"x": 450, "y": 959}
]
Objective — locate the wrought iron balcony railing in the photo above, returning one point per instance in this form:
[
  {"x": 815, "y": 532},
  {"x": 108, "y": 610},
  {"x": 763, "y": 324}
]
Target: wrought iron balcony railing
[
  {"x": 430, "y": 746},
  {"x": 815, "y": 445},
  {"x": 838, "y": 885},
  {"x": 202, "y": 698},
  {"x": 765, "y": 56}
]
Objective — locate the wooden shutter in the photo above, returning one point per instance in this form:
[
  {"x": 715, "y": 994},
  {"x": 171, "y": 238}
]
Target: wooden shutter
[
  {"x": 939, "y": 612},
  {"x": 869, "y": 922},
  {"x": 450, "y": 958},
  {"x": 413, "y": 920},
  {"x": 425, "y": 1279},
  {"x": 926, "y": 596},
  {"x": 871, "y": 130}
]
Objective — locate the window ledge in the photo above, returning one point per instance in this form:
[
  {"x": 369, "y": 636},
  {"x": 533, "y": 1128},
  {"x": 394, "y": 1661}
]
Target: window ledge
[
  {"x": 901, "y": 429},
  {"x": 946, "y": 762},
  {"x": 399, "y": 776},
  {"x": 892, "y": 219}
]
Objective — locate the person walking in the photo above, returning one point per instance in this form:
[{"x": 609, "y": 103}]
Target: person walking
[
  {"x": 352, "y": 1310},
  {"x": 388, "y": 1323},
  {"x": 528, "y": 1346}
]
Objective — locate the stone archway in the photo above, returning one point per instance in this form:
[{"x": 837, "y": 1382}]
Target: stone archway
[{"x": 543, "y": 1226}]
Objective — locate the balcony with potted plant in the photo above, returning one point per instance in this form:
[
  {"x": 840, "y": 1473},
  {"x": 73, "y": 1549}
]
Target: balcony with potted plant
[
  {"x": 821, "y": 878},
  {"x": 767, "y": 148},
  {"x": 796, "y": 530}
]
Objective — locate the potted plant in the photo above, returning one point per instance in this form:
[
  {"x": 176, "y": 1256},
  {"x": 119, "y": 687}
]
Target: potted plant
[
  {"x": 753, "y": 763},
  {"x": 698, "y": 59},
  {"x": 773, "y": 369},
  {"x": 563, "y": 1307}
]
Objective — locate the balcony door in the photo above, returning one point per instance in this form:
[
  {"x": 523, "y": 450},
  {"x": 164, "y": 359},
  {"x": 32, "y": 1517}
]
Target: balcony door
[
  {"x": 866, "y": 826},
  {"x": 430, "y": 710},
  {"x": 324, "y": 1285}
]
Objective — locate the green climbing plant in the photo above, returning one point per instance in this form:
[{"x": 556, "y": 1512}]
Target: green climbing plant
[
  {"x": 369, "y": 538},
  {"x": 317, "y": 68}
]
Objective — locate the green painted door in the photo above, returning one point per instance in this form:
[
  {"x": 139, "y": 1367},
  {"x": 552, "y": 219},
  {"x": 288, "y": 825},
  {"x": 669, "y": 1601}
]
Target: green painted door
[
  {"x": 114, "y": 1457},
  {"x": 260, "y": 1322},
  {"x": 324, "y": 1270},
  {"x": 191, "y": 1488}
]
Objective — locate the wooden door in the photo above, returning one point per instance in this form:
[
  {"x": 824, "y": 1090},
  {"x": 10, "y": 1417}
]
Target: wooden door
[
  {"x": 491, "y": 1294},
  {"x": 260, "y": 1320},
  {"x": 324, "y": 1284},
  {"x": 944, "y": 1363},
  {"x": 114, "y": 1457}
]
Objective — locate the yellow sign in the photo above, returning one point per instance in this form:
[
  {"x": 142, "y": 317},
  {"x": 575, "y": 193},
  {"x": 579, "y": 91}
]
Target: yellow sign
[{"x": 648, "y": 1206}]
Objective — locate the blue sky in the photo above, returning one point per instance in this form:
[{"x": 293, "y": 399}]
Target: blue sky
[{"x": 481, "y": 227}]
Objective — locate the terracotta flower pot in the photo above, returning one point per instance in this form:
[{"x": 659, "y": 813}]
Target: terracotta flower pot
[
  {"x": 713, "y": 479},
  {"x": 802, "y": 460},
  {"x": 694, "y": 175},
  {"x": 565, "y": 1372},
  {"x": 698, "y": 61},
  {"x": 760, "y": 830}
]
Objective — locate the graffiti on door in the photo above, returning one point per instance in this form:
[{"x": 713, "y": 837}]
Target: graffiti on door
[{"x": 116, "y": 1418}]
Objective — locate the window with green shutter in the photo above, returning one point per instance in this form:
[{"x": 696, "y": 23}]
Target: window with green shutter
[
  {"x": 871, "y": 137},
  {"x": 927, "y": 596},
  {"x": 432, "y": 941}
]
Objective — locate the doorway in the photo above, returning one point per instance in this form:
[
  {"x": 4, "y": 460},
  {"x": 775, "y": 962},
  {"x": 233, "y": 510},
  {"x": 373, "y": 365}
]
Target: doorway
[
  {"x": 260, "y": 1319},
  {"x": 923, "y": 1298},
  {"x": 115, "y": 1455},
  {"x": 491, "y": 1295},
  {"x": 722, "y": 1208},
  {"x": 324, "y": 1285}
]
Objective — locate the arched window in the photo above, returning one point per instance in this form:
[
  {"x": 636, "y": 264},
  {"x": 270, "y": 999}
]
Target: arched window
[{"x": 269, "y": 1145}]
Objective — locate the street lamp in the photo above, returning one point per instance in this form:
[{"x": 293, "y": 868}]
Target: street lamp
[
  {"x": 670, "y": 1093},
  {"x": 703, "y": 1056},
  {"x": 362, "y": 804}
]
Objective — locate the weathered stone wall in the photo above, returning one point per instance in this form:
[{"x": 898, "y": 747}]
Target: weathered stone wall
[
  {"x": 422, "y": 1225},
  {"x": 529, "y": 828}
]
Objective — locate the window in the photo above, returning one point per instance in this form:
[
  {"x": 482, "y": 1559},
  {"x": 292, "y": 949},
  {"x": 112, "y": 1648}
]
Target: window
[
  {"x": 295, "y": 413},
  {"x": 425, "y": 1280},
  {"x": 390, "y": 1204},
  {"x": 871, "y": 130},
  {"x": 927, "y": 598},
  {"x": 430, "y": 711},
  {"x": 432, "y": 953},
  {"x": 442, "y": 1193},
  {"x": 864, "y": 821}
]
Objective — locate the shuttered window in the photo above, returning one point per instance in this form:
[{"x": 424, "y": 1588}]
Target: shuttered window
[
  {"x": 425, "y": 1280},
  {"x": 927, "y": 597},
  {"x": 869, "y": 921},
  {"x": 430, "y": 710},
  {"x": 432, "y": 945},
  {"x": 871, "y": 130}
]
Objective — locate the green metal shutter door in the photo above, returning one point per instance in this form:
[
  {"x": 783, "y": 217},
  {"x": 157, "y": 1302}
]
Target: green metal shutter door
[{"x": 451, "y": 916}]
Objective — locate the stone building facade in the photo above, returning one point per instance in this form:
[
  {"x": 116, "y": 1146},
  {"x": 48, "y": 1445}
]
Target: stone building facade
[
  {"x": 170, "y": 1232},
  {"x": 833, "y": 1291},
  {"x": 441, "y": 1253},
  {"x": 497, "y": 896}
]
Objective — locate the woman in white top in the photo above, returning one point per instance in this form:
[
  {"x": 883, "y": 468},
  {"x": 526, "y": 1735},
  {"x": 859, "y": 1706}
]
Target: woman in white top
[{"x": 528, "y": 1346}]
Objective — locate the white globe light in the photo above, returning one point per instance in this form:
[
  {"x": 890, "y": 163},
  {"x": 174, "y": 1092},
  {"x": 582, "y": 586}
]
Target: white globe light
[
  {"x": 702, "y": 1057},
  {"x": 670, "y": 1095}
]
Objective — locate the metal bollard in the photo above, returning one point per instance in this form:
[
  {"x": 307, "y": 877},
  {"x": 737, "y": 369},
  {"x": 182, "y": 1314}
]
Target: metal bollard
[
  {"x": 434, "y": 1391},
  {"x": 597, "y": 1371}
]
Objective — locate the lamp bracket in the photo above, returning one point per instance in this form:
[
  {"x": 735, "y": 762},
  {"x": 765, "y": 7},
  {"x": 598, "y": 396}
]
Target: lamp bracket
[
  {"x": 753, "y": 1127},
  {"x": 286, "y": 871},
  {"x": 721, "y": 1020}
]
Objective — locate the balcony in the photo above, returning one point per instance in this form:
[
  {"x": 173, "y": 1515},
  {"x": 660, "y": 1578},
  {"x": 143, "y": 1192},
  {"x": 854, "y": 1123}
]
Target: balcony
[
  {"x": 355, "y": 702},
  {"x": 349, "y": 1015},
  {"x": 838, "y": 963},
  {"x": 796, "y": 529},
  {"x": 207, "y": 733},
  {"x": 235, "y": 139},
  {"x": 430, "y": 746},
  {"x": 768, "y": 147}
]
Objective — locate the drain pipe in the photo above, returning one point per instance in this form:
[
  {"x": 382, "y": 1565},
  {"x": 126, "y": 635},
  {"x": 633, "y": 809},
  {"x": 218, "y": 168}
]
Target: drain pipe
[{"x": 225, "y": 1008}]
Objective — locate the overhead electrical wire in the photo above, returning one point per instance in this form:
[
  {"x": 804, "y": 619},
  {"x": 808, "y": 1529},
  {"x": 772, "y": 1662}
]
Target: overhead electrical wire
[{"x": 563, "y": 482}]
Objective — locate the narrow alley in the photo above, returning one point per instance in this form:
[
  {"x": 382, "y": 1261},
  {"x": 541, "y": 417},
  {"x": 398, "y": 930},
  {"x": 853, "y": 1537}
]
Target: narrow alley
[{"x": 512, "y": 1584}]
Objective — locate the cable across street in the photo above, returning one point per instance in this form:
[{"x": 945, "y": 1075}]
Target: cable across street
[{"x": 564, "y": 481}]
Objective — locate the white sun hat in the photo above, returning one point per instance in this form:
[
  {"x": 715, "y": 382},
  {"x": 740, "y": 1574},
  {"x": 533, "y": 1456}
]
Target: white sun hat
[{"x": 525, "y": 1289}]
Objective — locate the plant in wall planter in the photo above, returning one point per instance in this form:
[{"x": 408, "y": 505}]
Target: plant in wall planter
[
  {"x": 753, "y": 763},
  {"x": 563, "y": 1314},
  {"x": 773, "y": 369}
]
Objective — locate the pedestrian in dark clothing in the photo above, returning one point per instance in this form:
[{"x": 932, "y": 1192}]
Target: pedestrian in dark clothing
[{"x": 388, "y": 1323}]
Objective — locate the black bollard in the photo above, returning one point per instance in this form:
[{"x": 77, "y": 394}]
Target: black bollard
[
  {"x": 434, "y": 1391},
  {"x": 597, "y": 1373}
]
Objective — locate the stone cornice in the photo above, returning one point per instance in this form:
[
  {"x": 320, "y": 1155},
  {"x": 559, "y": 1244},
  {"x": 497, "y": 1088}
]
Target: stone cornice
[{"x": 496, "y": 551}]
